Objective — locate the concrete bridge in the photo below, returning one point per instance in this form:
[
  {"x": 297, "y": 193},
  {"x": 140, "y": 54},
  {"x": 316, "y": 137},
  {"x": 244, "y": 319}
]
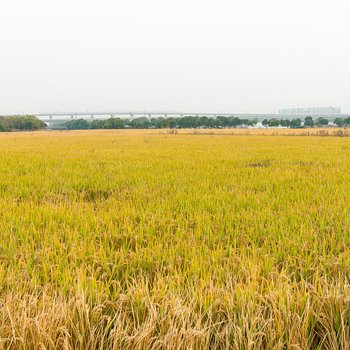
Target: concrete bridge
[{"x": 60, "y": 117}]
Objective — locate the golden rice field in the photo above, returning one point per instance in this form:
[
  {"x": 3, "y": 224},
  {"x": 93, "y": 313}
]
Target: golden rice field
[{"x": 152, "y": 240}]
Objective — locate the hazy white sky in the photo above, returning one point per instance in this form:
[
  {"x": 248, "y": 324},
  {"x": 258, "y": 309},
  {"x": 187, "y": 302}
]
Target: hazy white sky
[{"x": 183, "y": 55}]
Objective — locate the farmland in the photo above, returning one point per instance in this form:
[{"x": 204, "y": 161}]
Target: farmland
[{"x": 152, "y": 239}]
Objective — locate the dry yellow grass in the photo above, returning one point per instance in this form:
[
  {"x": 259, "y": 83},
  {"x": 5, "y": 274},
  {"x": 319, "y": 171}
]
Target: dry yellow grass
[
  {"x": 144, "y": 239},
  {"x": 344, "y": 132}
]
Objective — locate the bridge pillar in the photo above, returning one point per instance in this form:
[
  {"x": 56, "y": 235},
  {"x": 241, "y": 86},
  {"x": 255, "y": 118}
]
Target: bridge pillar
[
  {"x": 92, "y": 116},
  {"x": 72, "y": 116},
  {"x": 50, "y": 117},
  {"x": 131, "y": 116},
  {"x": 112, "y": 115}
]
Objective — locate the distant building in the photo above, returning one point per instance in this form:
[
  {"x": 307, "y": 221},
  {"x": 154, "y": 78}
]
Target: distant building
[{"x": 313, "y": 111}]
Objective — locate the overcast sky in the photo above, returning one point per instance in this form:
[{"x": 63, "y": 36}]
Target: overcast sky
[{"x": 185, "y": 55}]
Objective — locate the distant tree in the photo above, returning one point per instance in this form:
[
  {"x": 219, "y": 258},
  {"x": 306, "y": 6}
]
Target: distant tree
[
  {"x": 244, "y": 121},
  {"x": 79, "y": 124},
  {"x": 203, "y": 122},
  {"x": 26, "y": 122},
  {"x": 235, "y": 122},
  {"x": 11, "y": 123},
  {"x": 159, "y": 122},
  {"x": 309, "y": 122},
  {"x": 183, "y": 123},
  {"x": 224, "y": 121},
  {"x": 254, "y": 121},
  {"x": 171, "y": 123},
  {"x": 140, "y": 123},
  {"x": 196, "y": 122},
  {"x": 285, "y": 122},
  {"x": 273, "y": 122},
  {"x": 322, "y": 121},
  {"x": 210, "y": 123},
  {"x": 154, "y": 122},
  {"x": 295, "y": 123},
  {"x": 347, "y": 121},
  {"x": 113, "y": 123},
  {"x": 168, "y": 123},
  {"x": 265, "y": 122},
  {"x": 217, "y": 123},
  {"x": 339, "y": 121},
  {"x": 97, "y": 124}
]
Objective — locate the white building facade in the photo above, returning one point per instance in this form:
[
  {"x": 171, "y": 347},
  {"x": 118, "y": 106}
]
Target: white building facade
[{"x": 311, "y": 111}]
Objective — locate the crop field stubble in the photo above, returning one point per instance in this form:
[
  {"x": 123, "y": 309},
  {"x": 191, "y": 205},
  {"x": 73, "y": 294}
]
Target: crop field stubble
[{"x": 148, "y": 239}]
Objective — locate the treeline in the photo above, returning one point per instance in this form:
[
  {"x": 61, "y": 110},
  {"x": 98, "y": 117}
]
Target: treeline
[
  {"x": 21, "y": 123},
  {"x": 200, "y": 122},
  {"x": 308, "y": 122},
  {"x": 159, "y": 123}
]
